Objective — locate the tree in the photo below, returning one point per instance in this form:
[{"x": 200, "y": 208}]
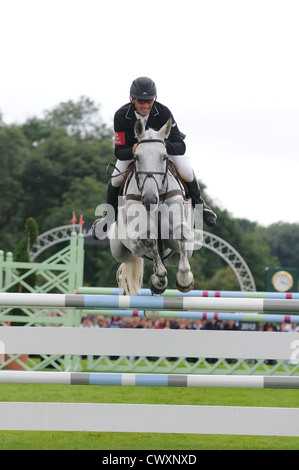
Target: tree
[
  {"x": 14, "y": 153},
  {"x": 283, "y": 239},
  {"x": 22, "y": 254},
  {"x": 81, "y": 119},
  {"x": 70, "y": 148}
]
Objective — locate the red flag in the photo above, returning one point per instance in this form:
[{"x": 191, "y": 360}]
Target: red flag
[
  {"x": 81, "y": 221},
  {"x": 74, "y": 219}
]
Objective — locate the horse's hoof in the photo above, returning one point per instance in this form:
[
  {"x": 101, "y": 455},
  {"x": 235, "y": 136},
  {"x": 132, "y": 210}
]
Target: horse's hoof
[
  {"x": 150, "y": 314},
  {"x": 155, "y": 285},
  {"x": 184, "y": 288},
  {"x": 157, "y": 290}
]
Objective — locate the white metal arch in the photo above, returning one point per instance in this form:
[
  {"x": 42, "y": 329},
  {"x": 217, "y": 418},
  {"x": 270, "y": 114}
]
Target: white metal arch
[
  {"x": 51, "y": 237},
  {"x": 208, "y": 240},
  {"x": 233, "y": 259}
]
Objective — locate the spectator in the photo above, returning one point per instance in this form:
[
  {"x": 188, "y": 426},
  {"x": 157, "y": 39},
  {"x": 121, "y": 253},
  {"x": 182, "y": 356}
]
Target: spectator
[
  {"x": 160, "y": 324},
  {"x": 116, "y": 322},
  {"x": 229, "y": 325},
  {"x": 292, "y": 327},
  {"x": 87, "y": 322},
  {"x": 101, "y": 322},
  {"x": 270, "y": 327}
]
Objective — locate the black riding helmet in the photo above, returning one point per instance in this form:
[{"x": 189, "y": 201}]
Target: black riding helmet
[{"x": 143, "y": 88}]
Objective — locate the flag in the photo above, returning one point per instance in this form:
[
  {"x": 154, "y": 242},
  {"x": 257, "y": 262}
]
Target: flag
[
  {"x": 81, "y": 221},
  {"x": 74, "y": 219}
]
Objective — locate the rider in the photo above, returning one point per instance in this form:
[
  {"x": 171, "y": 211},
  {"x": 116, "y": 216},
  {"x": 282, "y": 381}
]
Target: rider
[{"x": 143, "y": 106}]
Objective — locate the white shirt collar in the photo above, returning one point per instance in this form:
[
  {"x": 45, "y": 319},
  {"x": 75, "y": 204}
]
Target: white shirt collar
[{"x": 143, "y": 119}]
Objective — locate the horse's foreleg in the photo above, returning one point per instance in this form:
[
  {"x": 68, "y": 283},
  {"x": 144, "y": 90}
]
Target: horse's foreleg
[
  {"x": 158, "y": 281},
  {"x": 184, "y": 278}
]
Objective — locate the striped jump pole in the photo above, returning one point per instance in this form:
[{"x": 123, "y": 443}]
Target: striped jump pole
[
  {"x": 193, "y": 293},
  {"x": 205, "y": 304},
  {"x": 151, "y": 380},
  {"x": 187, "y": 315}
]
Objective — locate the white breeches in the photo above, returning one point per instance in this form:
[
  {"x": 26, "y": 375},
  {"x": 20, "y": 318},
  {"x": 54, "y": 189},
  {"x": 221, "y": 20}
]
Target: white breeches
[{"x": 181, "y": 162}]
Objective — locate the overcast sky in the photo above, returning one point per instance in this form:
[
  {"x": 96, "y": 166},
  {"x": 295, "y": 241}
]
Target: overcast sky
[{"x": 227, "y": 69}]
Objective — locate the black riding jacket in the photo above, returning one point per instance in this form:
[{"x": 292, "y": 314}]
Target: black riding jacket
[{"x": 124, "y": 121}]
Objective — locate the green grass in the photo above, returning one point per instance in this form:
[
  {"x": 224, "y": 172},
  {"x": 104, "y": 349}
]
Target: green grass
[{"x": 32, "y": 440}]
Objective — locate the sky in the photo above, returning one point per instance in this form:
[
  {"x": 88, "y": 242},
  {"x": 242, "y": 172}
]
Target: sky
[{"x": 227, "y": 69}]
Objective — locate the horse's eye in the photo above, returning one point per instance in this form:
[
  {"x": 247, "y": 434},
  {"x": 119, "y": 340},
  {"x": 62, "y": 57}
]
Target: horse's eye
[{"x": 136, "y": 157}]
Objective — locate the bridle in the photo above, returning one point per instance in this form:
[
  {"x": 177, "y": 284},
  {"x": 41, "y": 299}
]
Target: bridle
[{"x": 151, "y": 174}]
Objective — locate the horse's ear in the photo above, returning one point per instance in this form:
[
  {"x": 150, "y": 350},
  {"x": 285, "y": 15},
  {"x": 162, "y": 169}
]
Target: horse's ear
[
  {"x": 165, "y": 130},
  {"x": 138, "y": 128}
]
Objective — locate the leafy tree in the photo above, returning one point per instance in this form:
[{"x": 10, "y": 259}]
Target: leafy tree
[
  {"x": 283, "y": 239},
  {"x": 22, "y": 253},
  {"x": 69, "y": 148},
  {"x": 14, "y": 154},
  {"x": 81, "y": 119},
  {"x": 223, "y": 279},
  {"x": 83, "y": 196}
]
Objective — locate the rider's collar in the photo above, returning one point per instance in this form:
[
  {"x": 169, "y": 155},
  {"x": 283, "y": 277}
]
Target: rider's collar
[{"x": 143, "y": 119}]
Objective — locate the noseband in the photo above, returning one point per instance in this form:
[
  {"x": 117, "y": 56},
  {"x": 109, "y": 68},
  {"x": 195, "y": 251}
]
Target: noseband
[{"x": 150, "y": 174}]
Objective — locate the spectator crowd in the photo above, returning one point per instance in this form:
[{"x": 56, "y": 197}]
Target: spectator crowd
[{"x": 99, "y": 321}]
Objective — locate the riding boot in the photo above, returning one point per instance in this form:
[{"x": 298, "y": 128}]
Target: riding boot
[
  {"x": 100, "y": 225},
  {"x": 209, "y": 215}
]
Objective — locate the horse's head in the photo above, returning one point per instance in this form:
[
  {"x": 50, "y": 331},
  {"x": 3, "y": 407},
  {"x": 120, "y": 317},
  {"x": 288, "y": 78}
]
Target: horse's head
[{"x": 151, "y": 162}]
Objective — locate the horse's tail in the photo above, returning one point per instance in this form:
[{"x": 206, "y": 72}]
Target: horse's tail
[{"x": 130, "y": 275}]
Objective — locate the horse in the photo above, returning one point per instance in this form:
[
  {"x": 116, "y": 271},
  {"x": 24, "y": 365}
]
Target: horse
[{"x": 153, "y": 219}]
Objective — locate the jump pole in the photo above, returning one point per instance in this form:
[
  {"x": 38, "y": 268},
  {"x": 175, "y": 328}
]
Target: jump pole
[
  {"x": 149, "y": 302},
  {"x": 220, "y": 316},
  {"x": 152, "y": 380},
  {"x": 193, "y": 293}
]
